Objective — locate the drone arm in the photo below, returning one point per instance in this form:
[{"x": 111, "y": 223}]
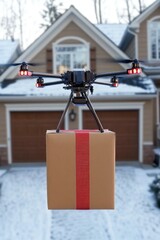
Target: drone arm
[
  {"x": 101, "y": 83},
  {"x": 38, "y": 74},
  {"x": 109, "y": 74},
  {"x": 52, "y": 83}
]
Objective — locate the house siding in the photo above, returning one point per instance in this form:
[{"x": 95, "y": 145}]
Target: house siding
[
  {"x": 142, "y": 40},
  {"x": 102, "y": 58},
  {"x": 148, "y": 121},
  {"x": 149, "y": 128},
  {"x": 130, "y": 51},
  {"x": 143, "y": 36},
  {"x": 40, "y": 58}
]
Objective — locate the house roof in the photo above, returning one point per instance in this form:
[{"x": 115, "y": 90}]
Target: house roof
[
  {"x": 130, "y": 86},
  {"x": 114, "y": 31},
  {"x": 7, "y": 50},
  {"x": 72, "y": 14}
]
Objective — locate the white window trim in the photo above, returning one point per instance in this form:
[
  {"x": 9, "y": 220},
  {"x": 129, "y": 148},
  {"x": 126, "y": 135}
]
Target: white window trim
[
  {"x": 149, "y": 39},
  {"x": 29, "y": 108},
  {"x": 120, "y": 106},
  {"x": 60, "y": 42}
]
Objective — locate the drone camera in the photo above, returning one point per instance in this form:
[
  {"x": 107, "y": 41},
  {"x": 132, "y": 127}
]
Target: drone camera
[{"x": 134, "y": 71}]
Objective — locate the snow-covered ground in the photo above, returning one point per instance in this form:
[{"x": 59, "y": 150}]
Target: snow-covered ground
[{"x": 24, "y": 214}]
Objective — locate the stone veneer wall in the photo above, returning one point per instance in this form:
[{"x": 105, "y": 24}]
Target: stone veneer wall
[
  {"x": 3, "y": 156},
  {"x": 148, "y": 154}
]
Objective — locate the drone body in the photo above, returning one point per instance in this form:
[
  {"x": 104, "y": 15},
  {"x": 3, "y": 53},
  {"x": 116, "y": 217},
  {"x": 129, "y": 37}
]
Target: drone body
[{"x": 79, "y": 82}]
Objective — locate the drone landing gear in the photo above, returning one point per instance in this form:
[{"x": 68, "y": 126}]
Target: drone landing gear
[{"x": 83, "y": 100}]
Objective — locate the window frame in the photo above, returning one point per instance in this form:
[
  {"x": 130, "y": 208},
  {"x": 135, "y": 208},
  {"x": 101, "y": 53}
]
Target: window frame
[
  {"x": 60, "y": 42},
  {"x": 150, "y": 52}
]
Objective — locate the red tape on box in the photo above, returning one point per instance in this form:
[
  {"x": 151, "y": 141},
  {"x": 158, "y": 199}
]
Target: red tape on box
[{"x": 82, "y": 170}]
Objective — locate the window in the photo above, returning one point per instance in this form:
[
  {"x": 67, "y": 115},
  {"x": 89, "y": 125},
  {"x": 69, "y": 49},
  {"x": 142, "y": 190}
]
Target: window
[
  {"x": 154, "y": 37},
  {"x": 70, "y": 56}
]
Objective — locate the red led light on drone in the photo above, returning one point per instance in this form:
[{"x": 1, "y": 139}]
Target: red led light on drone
[
  {"x": 115, "y": 84},
  {"x": 25, "y": 73},
  {"x": 39, "y": 85},
  {"x": 134, "y": 71}
]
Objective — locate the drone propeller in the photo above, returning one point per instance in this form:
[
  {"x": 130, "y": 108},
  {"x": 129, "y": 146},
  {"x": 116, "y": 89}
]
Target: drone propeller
[
  {"x": 128, "y": 61},
  {"x": 20, "y": 64},
  {"x": 136, "y": 62}
]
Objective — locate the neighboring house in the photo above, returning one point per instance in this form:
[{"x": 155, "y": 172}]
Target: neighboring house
[{"x": 74, "y": 42}]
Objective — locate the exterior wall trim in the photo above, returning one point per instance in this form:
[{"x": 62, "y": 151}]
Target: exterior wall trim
[
  {"x": 54, "y": 44},
  {"x": 148, "y": 143},
  {"x": 148, "y": 37},
  {"x": 3, "y": 145},
  {"x": 29, "y": 107},
  {"x": 120, "y": 106},
  {"x": 144, "y": 15}
]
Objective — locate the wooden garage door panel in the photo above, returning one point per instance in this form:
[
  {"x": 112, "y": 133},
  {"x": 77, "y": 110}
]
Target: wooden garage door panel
[
  {"x": 28, "y": 130},
  {"x": 125, "y": 124}
]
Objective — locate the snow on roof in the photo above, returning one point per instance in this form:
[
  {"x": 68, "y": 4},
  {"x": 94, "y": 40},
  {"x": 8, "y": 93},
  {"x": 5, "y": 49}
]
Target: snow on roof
[
  {"x": 27, "y": 87},
  {"x": 114, "y": 31},
  {"x": 7, "y": 49}
]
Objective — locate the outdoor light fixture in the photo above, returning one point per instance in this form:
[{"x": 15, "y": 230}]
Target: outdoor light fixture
[{"x": 72, "y": 115}]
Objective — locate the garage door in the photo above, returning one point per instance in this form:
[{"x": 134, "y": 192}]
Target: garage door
[
  {"x": 125, "y": 124},
  {"x": 28, "y": 131}
]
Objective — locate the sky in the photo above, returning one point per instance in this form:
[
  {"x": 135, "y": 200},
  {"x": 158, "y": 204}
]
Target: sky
[{"x": 32, "y": 10}]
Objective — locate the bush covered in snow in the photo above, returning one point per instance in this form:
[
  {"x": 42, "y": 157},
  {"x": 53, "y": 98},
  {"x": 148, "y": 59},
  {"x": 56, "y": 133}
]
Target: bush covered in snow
[{"x": 155, "y": 188}]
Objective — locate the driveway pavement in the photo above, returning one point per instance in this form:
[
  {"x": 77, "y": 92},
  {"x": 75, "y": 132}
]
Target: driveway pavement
[{"x": 24, "y": 214}]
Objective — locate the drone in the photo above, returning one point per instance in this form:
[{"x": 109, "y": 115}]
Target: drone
[{"x": 79, "y": 82}]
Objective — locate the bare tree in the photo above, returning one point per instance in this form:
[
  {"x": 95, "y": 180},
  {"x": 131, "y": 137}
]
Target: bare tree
[
  {"x": 128, "y": 11},
  {"x": 50, "y": 14},
  {"x": 98, "y": 10},
  {"x": 20, "y": 19},
  {"x": 8, "y": 21},
  {"x": 131, "y": 10},
  {"x": 12, "y": 19},
  {"x": 141, "y": 7}
]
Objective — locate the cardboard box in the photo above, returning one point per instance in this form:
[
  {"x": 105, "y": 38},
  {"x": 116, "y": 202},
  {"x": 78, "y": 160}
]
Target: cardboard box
[{"x": 80, "y": 169}]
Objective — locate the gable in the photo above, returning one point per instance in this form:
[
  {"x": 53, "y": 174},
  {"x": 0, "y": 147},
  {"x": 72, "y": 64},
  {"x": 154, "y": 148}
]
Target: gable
[
  {"x": 137, "y": 32},
  {"x": 67, "y": 36},
  {"x": 147, "y": 13}
]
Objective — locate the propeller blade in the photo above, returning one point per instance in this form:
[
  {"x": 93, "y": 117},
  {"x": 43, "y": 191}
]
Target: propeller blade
[
  {"x": 9, "y": 64},
  {"x": 35, "y": 64},
  {"x": 20, "y": 63},
  {"x": 151, "y": 63}
]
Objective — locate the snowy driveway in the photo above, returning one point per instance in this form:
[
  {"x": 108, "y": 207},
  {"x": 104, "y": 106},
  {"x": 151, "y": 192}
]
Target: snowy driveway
[{"x": 24, "y": 214}]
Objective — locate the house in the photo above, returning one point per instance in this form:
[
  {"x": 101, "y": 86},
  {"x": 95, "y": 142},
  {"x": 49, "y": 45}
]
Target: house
[{"x": 74, "y": 42}]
